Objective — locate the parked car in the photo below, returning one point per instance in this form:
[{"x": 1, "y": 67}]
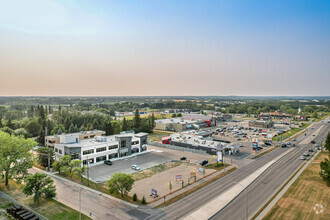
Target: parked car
[
  {"x": 313, "y": 142},
  {"x": 136, "y": 167},
  {"x": 283, "y": 145},
  {"x": 293, "y": 145},
  {"x": 203, "y": 162},
  {"x": 108, "y": 162},
  {"x": 183, "y": 158},
  {"x": 259, "y": 148},
  {"x": 303, "y": 158},
  {"x": 288, "y": 143},
  {"x": 264, "y": 145},
  {"x": 293, "y": 139},
  {"x": 311, "y": 150},
  {"x": 267, "y": 143}
]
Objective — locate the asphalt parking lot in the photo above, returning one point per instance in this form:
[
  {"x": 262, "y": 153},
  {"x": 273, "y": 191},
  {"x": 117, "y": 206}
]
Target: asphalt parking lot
[{"x": 102, "y": 172}]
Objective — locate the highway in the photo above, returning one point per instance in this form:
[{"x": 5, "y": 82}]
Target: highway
[{"x": 259, "y": 192}]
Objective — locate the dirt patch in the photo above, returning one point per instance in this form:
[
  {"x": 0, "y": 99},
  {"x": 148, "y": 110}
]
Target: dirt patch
[
  {"x": 160, "y": 181},
  {"x": 154, "y": 170}
]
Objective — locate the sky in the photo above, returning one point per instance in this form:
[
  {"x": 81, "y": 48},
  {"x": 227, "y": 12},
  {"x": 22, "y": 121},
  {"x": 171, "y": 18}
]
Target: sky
[{"x": 154, "y": 48}]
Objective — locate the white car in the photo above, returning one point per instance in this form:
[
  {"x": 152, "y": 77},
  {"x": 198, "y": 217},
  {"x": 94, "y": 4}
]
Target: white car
[{"x": 136, "y": 167}]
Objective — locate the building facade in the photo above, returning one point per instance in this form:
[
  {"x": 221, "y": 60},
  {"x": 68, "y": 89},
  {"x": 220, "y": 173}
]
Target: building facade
[{"x": 100, "y": 148}]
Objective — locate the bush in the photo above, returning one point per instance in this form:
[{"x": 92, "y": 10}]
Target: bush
[
  {"x": 144, "y": 200},
  {"x": 135, "y": 197}
]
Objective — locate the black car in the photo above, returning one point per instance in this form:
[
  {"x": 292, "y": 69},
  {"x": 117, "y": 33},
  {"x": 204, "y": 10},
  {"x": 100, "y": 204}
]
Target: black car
[
  {"x": 312, "y": 142},
  {"x": 267, "y": 143},
  {"x": 203, "y": 162},
  {"x": 283, "y": 145},
  {"x": 259, "y": 148},
  {"x": 183, "y": 158},
  {"x": 311, "y": 150},
  {"x": 108, "y": 162}
]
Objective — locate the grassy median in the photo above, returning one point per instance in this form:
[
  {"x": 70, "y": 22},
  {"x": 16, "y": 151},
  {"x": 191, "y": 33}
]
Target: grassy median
[{"x": 300, "y": 199}]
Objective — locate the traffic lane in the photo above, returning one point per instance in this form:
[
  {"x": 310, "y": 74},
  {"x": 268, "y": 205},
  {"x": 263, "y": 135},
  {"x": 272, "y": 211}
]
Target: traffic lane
[
  {"x": 205, "y": 194},
  {"x": 263, "y": 188}
]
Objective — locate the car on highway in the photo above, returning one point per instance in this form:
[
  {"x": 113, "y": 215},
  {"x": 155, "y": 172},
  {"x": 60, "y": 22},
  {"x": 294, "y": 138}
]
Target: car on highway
[
  {"x": 203, "y": 162},
  {"x": 136, "y": 167},
  {"x": 303, "y": 158},
  {"x": 183, "y": 158},
  {"x": 108, "y": 162},
  {"x": 306, "y": 154}
]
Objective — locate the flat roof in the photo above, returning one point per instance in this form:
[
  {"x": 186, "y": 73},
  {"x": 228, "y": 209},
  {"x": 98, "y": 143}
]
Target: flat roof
[{"x": 76, "y": 133}]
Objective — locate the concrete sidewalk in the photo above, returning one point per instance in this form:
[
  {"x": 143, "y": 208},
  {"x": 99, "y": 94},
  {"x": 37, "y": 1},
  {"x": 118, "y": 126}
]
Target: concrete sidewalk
[
  {"x": 281, "y": 193},
  {"x": 189, "y": 187},
  {"x": 217, "y": 204}
]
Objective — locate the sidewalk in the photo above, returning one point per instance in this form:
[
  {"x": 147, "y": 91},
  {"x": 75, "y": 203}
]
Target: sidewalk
[
  {"x": 189, "y": 187},
  {"x": 281, "y": 193}
]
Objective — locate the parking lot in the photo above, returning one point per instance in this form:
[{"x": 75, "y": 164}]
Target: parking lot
[{"x": 154, "y": 156}]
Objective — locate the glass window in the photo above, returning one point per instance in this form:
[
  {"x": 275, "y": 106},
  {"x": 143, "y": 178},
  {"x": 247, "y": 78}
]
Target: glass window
[
  {"x": 123, "y": 143},
  {"x": 113, "y": 156},
  {"x": 113, "y": 147},
  {"x": 102, "y": 158},
  {"x": 60, "y": 151},
  {"x": 100, "y": 149},
  {"x": 74, "y": 156},
  {"x": 56, "y": 150},
  {"x": 91, "y": 151}
]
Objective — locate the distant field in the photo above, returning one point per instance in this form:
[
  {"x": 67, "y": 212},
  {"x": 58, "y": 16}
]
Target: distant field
[
  {"x": 157, "y": 136},
  {"x": 300, "y": 199}
]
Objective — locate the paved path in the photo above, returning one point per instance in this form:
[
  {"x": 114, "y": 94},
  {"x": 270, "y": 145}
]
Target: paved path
[
  {"x": 102, "y": 206},
  {"x": 281, "y": 193}
]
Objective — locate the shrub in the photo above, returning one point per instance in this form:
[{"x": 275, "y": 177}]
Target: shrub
[
  {"x": 144, "y": 200},
  {"x": 135, "y": 197}
]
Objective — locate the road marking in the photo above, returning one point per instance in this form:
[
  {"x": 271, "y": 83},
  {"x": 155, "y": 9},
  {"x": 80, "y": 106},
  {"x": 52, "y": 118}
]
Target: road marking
[{"x": 220, "y": 202}]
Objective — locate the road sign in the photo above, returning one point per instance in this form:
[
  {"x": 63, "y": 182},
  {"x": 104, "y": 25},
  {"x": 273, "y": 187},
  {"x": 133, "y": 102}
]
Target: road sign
[
  {"x": 219, "y": 153},
  {"x": 255, "y": 140},
  {"x": 178, "y": 177},
  {"x": 269, "y": 135}
]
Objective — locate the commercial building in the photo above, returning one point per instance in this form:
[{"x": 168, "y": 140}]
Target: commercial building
[
  {"x": 52, "y": 140},
  {"x": 274, "y": 115},
  {"x": 196, "y": 140},
  {"x": 188, "y": 121},
  {"x": 261, "y": 124},
  {"x": 100, "y": 148}
]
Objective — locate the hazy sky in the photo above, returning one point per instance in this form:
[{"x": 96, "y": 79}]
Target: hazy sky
[{"x": 139, "y": 47}]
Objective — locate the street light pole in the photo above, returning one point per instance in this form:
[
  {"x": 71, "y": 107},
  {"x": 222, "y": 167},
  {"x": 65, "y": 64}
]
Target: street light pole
[
  {"x": 80, "y": 203},
  {"x": 246, "y": 201}
]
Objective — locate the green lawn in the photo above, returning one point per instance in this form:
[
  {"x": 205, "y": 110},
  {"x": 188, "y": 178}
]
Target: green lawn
[
  {"x": 157, "y": 136},
  {"x": 49, "y": 208}
]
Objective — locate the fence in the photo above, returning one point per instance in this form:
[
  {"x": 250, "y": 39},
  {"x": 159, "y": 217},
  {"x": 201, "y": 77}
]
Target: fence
[
  {"x": 173, "y": 147},
  {"x": 4, "y": 195}
]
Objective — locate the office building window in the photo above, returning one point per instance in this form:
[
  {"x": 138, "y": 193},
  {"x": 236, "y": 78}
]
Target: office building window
[
  {"x": 56, "y": 150},
  {"x": 112, "y": 156},
  {"x": 91, "y": 151},
  {"x": 112, "y": 147},
  {"x": 102, "y": 158},
  {"x": 135, "y": 142},
  {"x": 100, "y": 149},
  {"x": 74, "y": 156},
  {"x": 123, "y": 143},
  {"x": 60, "y": 151}
]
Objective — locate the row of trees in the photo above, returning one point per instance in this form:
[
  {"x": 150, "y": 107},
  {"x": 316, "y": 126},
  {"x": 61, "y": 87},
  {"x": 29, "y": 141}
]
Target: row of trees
[{"x": 325, "y": 165}]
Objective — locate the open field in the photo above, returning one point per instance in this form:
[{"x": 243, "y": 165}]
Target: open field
[
  {"x": 300, "y": 199},
  {"x": 157, "y": 136},
  {"x": 49, "y": 208}
]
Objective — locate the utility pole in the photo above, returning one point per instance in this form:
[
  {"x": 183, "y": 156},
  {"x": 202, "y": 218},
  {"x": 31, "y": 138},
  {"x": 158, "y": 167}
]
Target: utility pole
[{"x": 87, "y": 172}]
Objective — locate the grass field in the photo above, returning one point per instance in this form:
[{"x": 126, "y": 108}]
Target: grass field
[
  {"x": 307, "y": 191},
  {"x": 49, "y": 208},
  {"x": 156, "y": 169},
  {"x": 157, "y": 136}
]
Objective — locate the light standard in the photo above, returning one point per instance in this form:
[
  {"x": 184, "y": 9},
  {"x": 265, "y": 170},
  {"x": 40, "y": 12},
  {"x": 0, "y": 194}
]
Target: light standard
[
  {"x": 80, "y": 203},
  {"x": 246, "y": 201}
]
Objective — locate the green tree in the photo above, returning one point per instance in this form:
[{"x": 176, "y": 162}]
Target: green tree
[
  {"x": 43, "y": 153},
  {"x": 57, "y": 128},
  {"x": 325, "y": 170},
  {"x": 71, "y": 128},
  {"x": 315, "y": 115},
  {"x": 137, "y": 120},
  {"x": 120, "y": 183},
  {"x": 33, "y": 127},
  {"x": 39, "y": 184},
  {"x": 62, "y": 163},
  {"x": 15, "y": 156},
  {"x": 327, "y": 143},
  {"x": 125, "y": 125},
  {"x": 115, "y": 127},
  {"x": 144, "y": 200},
  {"x": 135, "y": 197},
  {"x": 72, "y": 167},
  {"x": 179, "y": 115},
  {"x": 170, "y": 185},
  {"x": 80, "y": 170},
  {"x": 174, "y": 115}
]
